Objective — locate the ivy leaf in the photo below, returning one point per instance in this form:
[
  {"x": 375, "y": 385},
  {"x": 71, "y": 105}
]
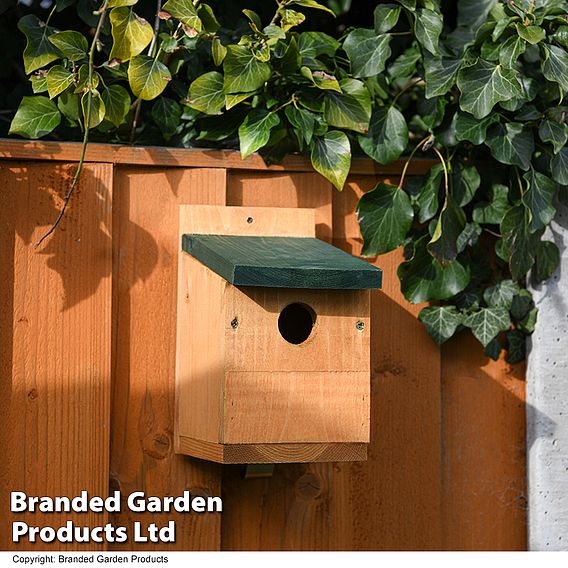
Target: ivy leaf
[
  {"x": 117, "y": 103},
  {"x": 254, "y": 132},
  {"x": 39, "y": 51},
  {"x": 532, "y": 34},
  {"x": 547, "y": 261},
  {"x": 466, "y": 181},
  {"x": 233, "y": 100},
  {"x": 387, "y": 137},
  {"x": 405, "y": 64},
  {"x": 121, "y": 3},
  {"x": 428, "y": 198},
  {"x": 98, "y": 109},
  {"x": 39, "y": 81},
  {"x": 367, "y": 51},
  {"x": 517, "y": 347},
  {"x": 468, "y": 128},
  {"x": 501, "y": 295},
  {"x": 71, "y": 44},
  {"x": 313, "y": 44},
  {"x": 428, "y": 27},
  {"x": 553, "y": 132},
  {"x": 385, "y": 216},
  {"x": 218, "y": 51},
  {"x": 321, "y": 79},
  {"x": 440, "y": 75},
  {"x": 290, "y": 18},
  {"x": 130, "y": 32},
  {"x": 487, "y": 323},
  {"x": 331, "y": 157},
  {"x": 147, "y": 76},
  {"x": 243, "y": 71},
  {"x": 352, "y": 109},
  {"x": 483, "y": 85},
  {"x": 512, "y": 144},
  {"x": 208, "y": 19},
  {"x": 441, "y": 322},
  {"x": 68, "y": 104},
  {"x": 185, "y": 12},
  {"x": 206, "y": 93},
  {"x": 386, "y": 17},
  {"x": 555, "y": 65},
  {"x": 519, "y": 244},
  {"x": 510, "y": 51},
  {"x": 443, "y": 245},
  {"x": 302, "y": 120},
  {"x": 538, "y": 199},
  {"x": 423, "y": 279},
  {"x": 58, "y": 79},
  {"x": 167, "y": 113},
  {"x": 493, "y": 349},
  {"x": 469, "y": 236},
  {"x": 559, "y": 166},
  {"x": 521, "y": 305},
  {"x": 313, "y": 4},
  {"x": 35, "y": 117},
  {"x": 492, "y": 213}
]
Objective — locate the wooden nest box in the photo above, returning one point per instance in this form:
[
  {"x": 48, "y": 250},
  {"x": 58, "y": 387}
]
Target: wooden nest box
[{"x": 273, "y": 337}]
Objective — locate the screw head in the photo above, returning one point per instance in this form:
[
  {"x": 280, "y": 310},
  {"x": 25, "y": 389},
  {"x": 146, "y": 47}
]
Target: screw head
[
  {"x": 235, "y": 323},
  {"x": 360, "y": 325},
  {"x": 250, "y": 220}
]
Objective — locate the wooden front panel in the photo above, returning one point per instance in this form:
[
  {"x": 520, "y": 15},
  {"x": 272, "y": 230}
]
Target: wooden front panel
[{"x": 55, "y": 347}]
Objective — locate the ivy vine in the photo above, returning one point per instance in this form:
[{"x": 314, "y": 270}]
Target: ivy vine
[{"x": 481, "y": 92}]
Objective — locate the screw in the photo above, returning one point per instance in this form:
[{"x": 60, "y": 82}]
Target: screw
[
  {"x": 235, "y": 323},
  {"x": 360, "y": 325},
  {"x": 250, "y": 220}
]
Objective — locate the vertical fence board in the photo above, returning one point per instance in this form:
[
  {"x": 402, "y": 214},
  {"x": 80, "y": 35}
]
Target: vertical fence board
[
  {"x": 484, "y": 449},
  {"x": 146, "y": 252},
  {"x": 55, "y": 325}
]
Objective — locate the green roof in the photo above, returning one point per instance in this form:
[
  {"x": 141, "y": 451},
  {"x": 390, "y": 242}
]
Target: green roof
[{"x": 281, "y": 262}]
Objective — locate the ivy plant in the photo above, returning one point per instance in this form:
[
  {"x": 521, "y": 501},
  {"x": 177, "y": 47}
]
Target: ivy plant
[{"x": 481, "y": 92}]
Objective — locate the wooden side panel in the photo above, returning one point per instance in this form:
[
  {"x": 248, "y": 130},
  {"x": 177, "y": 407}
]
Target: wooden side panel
[
  {"x": 55, "y": 341},
  {"x": 146, "y": 253},
  {"x": 484, "y": 498}
]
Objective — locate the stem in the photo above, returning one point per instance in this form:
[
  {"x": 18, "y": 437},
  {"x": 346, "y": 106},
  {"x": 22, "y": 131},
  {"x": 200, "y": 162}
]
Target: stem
[
  {"x": 418, "y": 146},
  {"x": 404, "y": 89},
  {"x": 443, "y": 162},
  {"x": 67, "y": 197}
]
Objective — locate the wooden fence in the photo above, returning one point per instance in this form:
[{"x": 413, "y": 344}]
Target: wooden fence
[{"x": 87, "y": 349}]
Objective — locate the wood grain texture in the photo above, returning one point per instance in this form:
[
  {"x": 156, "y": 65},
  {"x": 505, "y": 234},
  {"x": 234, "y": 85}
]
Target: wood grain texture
[
  {"x": 273, "y": 453},
  {"x": 55, "y": 355},
  {"x": 146, "y": 252},
  {"x": 183, "y": 157},
  {"x": 484, "y": 489},
  {"x": 281, "y": 262}
]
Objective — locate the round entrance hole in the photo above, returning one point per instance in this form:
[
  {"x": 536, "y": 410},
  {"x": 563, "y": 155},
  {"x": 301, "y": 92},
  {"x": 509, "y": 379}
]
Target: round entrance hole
[{"x": 296, "y": 322}]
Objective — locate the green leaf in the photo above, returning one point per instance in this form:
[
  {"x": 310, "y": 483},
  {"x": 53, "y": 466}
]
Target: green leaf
[
  {"x": 440, "y": 74},
  {"x": 444, "y": 243},
  {"x": 39, "y": 81},
  {"x": 82, "y": 84},
  {"x": 218, "y": 51},
  {"x": 243, "y": 72},
  {"x": 559, "y": 166},
  {"x": 553, "y": 132},
  {"x": 483, "y": 85},
  {"x": 290, "y": 18},
  {"x": 519, "y": 244},
  {"x": 441, "y": 322},
  {"x": 517, "y": 347},
  {"x": 147, "y": 77},
  {"x": 35, "y": 117},
  {"x": 69, "y": 105},
  {"x": 254, "y": 132},
  {"x": 428, "y": 198},
  {"x": 313, "y": 44},
  {"x": 185, "y": 12},
  {"x": 466, "y": 181},
  {"x": 512, "y": 144},
  {"x": 428, "y": 26},
  {"x": 487, "y": 323},
  {"x": 331, "y": 157},
  {"x": 302, "y": 120},
  {"x": 555, "y": 65},
  {"x": 58, "y": 79},
  {"x": 385, "y": 216},
  {"x": 538, "y": 199},
  {"x": 405, "y": 64},
  {"x": 98, "y": 110},
  {"x": 468, "y": 128},
  {"x": 167, "y": 113},
  {"x": 352, "y": 109},
  {"x": 208, "y": 18},
  {"x": 206, "y": 93},
  {"x": 532, "y": 34},
  {"x": 511, "y": 50},
  {"x": 39, "y": 51},
  {"x": 313, "y": 4},
  {"x": 493, "y": 349},
  {"x": 469, "y": 236},
  {"x": 492, "y": 213},
  {"x": 130, "y": 32},
  {"x": 521, "y": 305},
  {"x": 387, "y": 137},
  {"x": 547, "y": 261},
  {"x": 233, "y": 100},
  {"x": 321, "y": 79},
  {"x": 117, "y": 104},
  {"x": 386, "y": 17},
  {"x": 501, "y": 295},
  {"x": 367, "y": 51},
  {"x": 423, "y": 279},
  {"x": 72, "y": 45},
  {"x": 121, "y": 3}
]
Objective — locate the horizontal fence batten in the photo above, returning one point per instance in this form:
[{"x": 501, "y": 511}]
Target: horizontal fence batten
[{"x": 185, "y": 157}]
